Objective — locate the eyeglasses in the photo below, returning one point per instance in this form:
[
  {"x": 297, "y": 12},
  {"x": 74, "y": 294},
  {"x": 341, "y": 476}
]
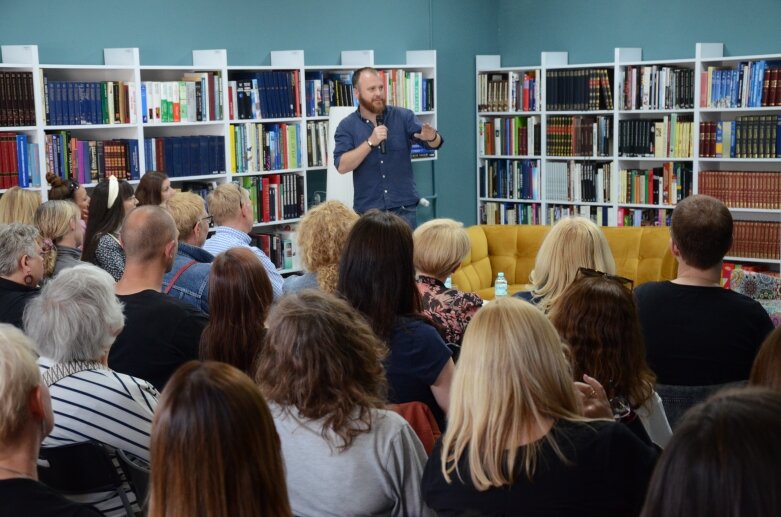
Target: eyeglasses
[
  {"x": 209, "y": 218},
  {"x": 588, "y": 272}
]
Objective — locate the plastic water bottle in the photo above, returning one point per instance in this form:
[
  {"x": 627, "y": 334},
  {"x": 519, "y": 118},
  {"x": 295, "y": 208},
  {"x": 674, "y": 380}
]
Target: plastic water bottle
[
  {"x": 448, "y": 283},
  {"x": 500, "y": 286}
]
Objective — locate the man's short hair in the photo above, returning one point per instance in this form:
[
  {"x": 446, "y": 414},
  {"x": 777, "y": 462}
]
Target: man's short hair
[
  {"x": 701, "y": 228},
  {"x": 186, "y": 208},
  {"x": 225, "y": 202},
  {"x": 357, "y": 74},
  {"x": 146, "y": 231}
]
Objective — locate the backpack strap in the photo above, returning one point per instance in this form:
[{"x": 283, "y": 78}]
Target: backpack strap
[{"x": 177, "y": 275}]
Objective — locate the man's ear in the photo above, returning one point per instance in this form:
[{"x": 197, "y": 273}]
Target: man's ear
[
  {"x": 674, "y": 249},
  {"x": 170, "y": 249}
]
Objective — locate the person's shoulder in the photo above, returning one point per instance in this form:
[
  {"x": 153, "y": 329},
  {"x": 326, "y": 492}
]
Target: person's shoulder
[
  {"x": 130, "y": 382},
  {"x": 651, "y": 287},
  {"x": 33, "y": 498}
]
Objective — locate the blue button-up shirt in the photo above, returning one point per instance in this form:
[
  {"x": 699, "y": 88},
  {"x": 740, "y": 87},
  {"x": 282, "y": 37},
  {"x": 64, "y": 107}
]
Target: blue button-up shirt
[{"x": 382, "y": 180}]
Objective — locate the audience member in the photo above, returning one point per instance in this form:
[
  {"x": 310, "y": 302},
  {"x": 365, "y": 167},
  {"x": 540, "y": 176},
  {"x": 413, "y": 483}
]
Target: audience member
[
  {"x": 597, "y": 317},
  {"x": 697, "y": 333},
  {"x": 440, "y": 246},
  {"x": 17, "y": 205},
  {"x": 516, "y": 443},
  {"x": 21, "y": 269},
  {"x": 25, "y": 420},
  {"x": 377, "y": 277},
  {"x": 161, "y": 333},
  {"x": 321, "y": 235},
  {"x": 240, "y": 296},
  {"x": 73, "y": 323},
  {"x": 111, "y": 201},
  {"x": 767, "y": 365},
  {"x": 188, "y": 279},
  {"x": 59, "y": 223},
  {"x": 723, "y": 460},
  {"x": 215, "y": 451},
  {"x": 572, "y": 243},
  {"x": 321, "y": 371},
  {"x": 154, "y": 189},
  {"x": 69, "y": 190},
  {"x": 230, "y": 206}
]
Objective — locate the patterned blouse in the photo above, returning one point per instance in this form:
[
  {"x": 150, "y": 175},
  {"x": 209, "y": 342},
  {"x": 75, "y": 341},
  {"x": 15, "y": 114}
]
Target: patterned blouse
[
  {"x": 451, "y": 309},
  {"x": 110, "y": 256}
]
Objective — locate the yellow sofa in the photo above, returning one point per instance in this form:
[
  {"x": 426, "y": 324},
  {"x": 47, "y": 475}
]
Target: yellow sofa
[{"x": 641, "y": 253}]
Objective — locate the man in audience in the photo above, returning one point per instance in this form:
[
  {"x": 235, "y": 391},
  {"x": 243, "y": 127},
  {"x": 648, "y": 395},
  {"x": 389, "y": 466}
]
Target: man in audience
[
  {"x": 161, "y": 332},
  {"x": 231, "y": 208},
  {"x": 697, "y": 333},
  {"x": 188, "y": 280}
]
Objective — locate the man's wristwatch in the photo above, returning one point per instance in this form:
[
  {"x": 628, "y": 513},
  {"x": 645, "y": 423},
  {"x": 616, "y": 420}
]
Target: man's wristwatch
[{"x": 370, "y": 143}]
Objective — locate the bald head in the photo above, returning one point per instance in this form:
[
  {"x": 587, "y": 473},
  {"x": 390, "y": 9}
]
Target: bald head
[{"x": 146, "y": 232}]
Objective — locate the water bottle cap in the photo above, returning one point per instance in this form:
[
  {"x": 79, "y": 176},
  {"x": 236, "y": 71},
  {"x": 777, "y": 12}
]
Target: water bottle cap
[{"x": 501, "y": 274}]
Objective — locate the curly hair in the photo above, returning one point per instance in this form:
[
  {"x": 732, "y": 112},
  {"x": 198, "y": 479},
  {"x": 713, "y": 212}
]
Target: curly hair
[
  {"x": 322, "y": 358},
  {"x": 321, "y": 237},
  {"x": 597, "y": 318}
]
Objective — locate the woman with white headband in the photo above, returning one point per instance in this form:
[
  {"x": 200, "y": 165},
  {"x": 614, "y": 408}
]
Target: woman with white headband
[{"x": 110, "y": 202}]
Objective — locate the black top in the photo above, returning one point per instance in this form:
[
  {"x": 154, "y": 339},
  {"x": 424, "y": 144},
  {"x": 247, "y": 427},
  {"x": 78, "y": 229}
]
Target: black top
[
  {"x": 13, "y": 300},
  {"x": 33, "y": 499},
  {"x": 607, "y": 474},
  {"x": 697, "y": 336},
  {"x": 161, "y": 333}
]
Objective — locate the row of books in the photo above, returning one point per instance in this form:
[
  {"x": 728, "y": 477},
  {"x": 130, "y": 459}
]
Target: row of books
[
  {"x": 89, "y": 161},
  {"x": 670, "y": 137},
  {"x": 264, "y": 147},
  {"x": 316, "y": 143},
  {"x": 266, "y": 94},
  {"x": 598, "y": 214},
  {"x": 17, "y": 102},
  {"x": 508, "y": 91},
  {"x": 180, "y": 156},
  {"x": 73, "y": 103},
  {"x": 509, "y": 213},
  {"x": 657, "y": 87},
  {"x": 280, "y": 248},
  {"x": 510, "y": 179},
  {"x": 578, "y": 181},
  {"x": 643, "y": 216},
  {"x": 18, "y": 161},
  {"x": 582, "y": 90},
  {"x": 326, "y": 89},
  {"x": 276, "y": 197},
  {"x": 756, "y": 239},
  {"x": 510, "y": 136},
  {"x": 197, "y": 97},
  {"x": 579, "y": 136},
  {"x": 665, "y": 185},
  {"x": 409, "y": 90},
  {"x": 742, "y": 189},
  {"x": 750, "y": 84},
  {"x": 418, "y": 151},
  {"x": 751, "y": 136}
]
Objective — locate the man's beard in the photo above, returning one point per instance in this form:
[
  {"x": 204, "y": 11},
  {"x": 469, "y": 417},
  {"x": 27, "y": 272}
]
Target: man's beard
[{"x": 371, "y": 106}]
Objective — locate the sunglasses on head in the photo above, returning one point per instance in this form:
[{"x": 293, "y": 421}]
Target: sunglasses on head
[{"x": 588, "y": 272}]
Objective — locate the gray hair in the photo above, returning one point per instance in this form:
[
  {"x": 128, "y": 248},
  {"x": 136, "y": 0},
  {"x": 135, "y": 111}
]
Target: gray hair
[
  {"x": 76, "y": 317},
  {"x": 16, "y": 240}
]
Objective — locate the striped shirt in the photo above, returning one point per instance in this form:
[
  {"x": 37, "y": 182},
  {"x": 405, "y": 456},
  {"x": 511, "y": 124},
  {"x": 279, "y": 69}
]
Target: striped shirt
[
  {"x": 107, "y": 407},
  {"x": 225, "y": 238}
]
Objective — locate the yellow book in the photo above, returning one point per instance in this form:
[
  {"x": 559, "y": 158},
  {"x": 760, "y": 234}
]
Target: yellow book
[{"x": 232, "y": 136}]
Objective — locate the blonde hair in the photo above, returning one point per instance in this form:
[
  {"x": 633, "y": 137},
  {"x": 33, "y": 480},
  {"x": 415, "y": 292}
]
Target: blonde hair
[
  {"x": 186, "y": 209},
  {"x": 53, "y": 220},
  {"x": 512, "y": 375},
  {"x": 572, "y": 243},
  {"x": 18, "y": 376},
  {"x": 440, "y": 246},
  {"x": 225, "y": 202},
  {"x": 321, "y": 237},
  {"x": 18, "y": 205}
]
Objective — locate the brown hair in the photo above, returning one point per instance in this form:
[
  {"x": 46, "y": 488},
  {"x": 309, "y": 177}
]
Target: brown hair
[
  {"x": 701, "y": 228},
  {"x": 61, "y": 189},
  {"x": 597, "y": 318},
  {"x": 149, "y": 189},
  {"x": 767, "y": 365},
  {"x": 240, "y": 296},
  {"x": 215, "y": 450},
  {"x": 322, "y": 357}
]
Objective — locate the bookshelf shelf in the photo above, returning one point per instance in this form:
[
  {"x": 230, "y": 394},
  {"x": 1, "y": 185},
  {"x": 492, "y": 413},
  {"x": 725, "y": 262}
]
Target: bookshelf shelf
[
  {"x": 511, "y": 200},
  {"x": 554, "y": 158},
  {"x": 640, "y": 205},
  {"x": 579, "y": 203},
  {"x": 510, "y": 157},
  {"x": 508, "y": 113},
  {"x": 265, "y": 173}
]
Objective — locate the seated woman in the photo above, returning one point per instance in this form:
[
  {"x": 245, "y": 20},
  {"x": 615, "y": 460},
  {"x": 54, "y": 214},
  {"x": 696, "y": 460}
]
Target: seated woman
[
  {"x": 516, "y": 443},
  {"x": 111, "y": 201},
  {"x": 440, "y": 246},
  {"x": 215, "y": 451},
  {"x": 154, "y": 189},
  {"x": 597, "y": 317},
  {"x": 59, "y": 224},
  {"x": 723, "y": 460},
  {"x": 572, "y": 243},
  {"x": 73, "y": 323},
  {"x": 240, "y": 297},
  {"x": 321, "y": 371},
  {"x": 25, "y": 420},
  {"x": 321, "y": 236},
  {"x": 69, "y": 190},
  {"x": 377, "y": 277},
  {"x": 766, "y": 370},
  {"x": 21, "y": 269},
  {"x": 17, "y": 205}
]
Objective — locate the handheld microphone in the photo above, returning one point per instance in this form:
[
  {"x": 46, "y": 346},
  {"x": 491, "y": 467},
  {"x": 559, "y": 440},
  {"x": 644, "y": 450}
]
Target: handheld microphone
[{"x": 380, "y": 120}]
